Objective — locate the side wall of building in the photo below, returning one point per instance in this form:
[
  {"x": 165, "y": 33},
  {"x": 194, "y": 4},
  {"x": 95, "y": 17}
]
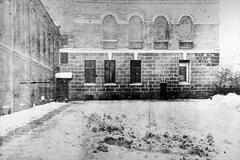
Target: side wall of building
[{"x": 29, "y": 49}]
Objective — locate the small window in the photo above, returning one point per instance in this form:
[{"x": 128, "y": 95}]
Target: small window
[
  {"x": 90, "y": 71},
  {"x": 184, "y": 71},
  {"x": 64, "y": 40},
  {"x": 64, "y": 58},
  {"x": 135, "y": 71},
  {"x": 109, "y": 68}
]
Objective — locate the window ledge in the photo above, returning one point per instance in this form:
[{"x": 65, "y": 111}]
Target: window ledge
[
  {"x": 90, "y": 84},
  {"x": 109, "y": 84},
  {"x": 187, "y": 41},
  {"x": 184, "y": 83},
  {"x": 135, "y": 84},
  {"x": 109, "y": 40}
]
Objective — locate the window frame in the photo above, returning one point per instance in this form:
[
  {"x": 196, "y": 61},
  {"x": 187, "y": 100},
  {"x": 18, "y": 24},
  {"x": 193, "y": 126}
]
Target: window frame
[
  {"x": 65, "y": 40},
  {"x": 184, "y": 63},
  {"x": 63, "y": 62},
  {"x": 134, "y": 78},
  {"x": 87, "y": 70},
  {"x": 111, "y": 71}
]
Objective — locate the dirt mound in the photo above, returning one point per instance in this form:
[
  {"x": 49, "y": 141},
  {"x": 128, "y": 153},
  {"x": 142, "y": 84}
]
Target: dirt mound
[{"x": 119, "y": 133}]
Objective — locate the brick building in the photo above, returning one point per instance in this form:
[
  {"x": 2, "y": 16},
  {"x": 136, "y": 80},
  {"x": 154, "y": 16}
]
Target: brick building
[
  {"x": 29, "y": 46},
  {"x": 131, "y": 49}
]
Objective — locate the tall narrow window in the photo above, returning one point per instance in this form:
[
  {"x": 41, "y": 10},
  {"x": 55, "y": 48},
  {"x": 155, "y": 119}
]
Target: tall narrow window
[
  {"x": 38, "y": 41},
  {"x": 186, "y": 33},
  {"x": 64, "y": 40},
  {"x": 109, "y": 32},
  {"x": 109, "y": 67},
  {"x": 64, "y": 58},
  {"x": 161, "y": 33},
  {"x": 184, "y": 71},
  {"x": 135, "y": 33},
  {"x": 90, "y": 71},
  {"x": 135, "y": 71}
]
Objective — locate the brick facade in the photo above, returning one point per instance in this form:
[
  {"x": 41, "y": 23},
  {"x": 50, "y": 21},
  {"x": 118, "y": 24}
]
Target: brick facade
[
  {"x": 162, "y": 34},
  {"x": 29, "y": 46},
  {"x": 156, "y": 68}
]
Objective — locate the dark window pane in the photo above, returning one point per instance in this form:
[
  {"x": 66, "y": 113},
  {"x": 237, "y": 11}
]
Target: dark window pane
[
  {"x": 183, "y": 73},
  {"x": 135, "y": 71},
  {"x": 90, "y": 71},
  {"x": 64, "y": 58},
  {"x": 109, "y": 66},
  {"x": 64, "y": 40}
]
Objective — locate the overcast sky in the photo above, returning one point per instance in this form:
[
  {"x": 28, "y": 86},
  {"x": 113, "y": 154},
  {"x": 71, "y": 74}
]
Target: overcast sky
[{"x": 230, "y": 26}]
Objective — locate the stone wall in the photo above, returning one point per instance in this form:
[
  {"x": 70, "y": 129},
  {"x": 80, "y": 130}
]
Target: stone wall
[
  {"x": 156, "y": 68},
  {"x": 29, "y": 47},
  {"x": 83, "y": 20}
]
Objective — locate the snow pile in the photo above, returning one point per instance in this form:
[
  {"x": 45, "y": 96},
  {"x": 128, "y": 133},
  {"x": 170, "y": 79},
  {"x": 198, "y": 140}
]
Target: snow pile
[
  {"x": 19, "y": 119},
  {"x": 116, "y": 131},
  {"x": 231, "y": 100}
]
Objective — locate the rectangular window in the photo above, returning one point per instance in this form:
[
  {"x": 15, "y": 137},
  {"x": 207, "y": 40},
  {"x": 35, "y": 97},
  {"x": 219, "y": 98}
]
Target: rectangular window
[
  {"x": 109, "y": 68},
  {"x": 64, "y": 40},
  {"x": 90, "y": 71},
  {"x": 64, "y": 58},
  {"x": 184, "y": 71},
  {"x": 135, "y": 71}
]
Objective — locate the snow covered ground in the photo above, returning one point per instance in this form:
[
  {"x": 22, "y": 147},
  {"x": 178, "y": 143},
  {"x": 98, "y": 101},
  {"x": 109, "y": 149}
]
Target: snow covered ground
[
  {"x": 19, "y": 119},
  {"x": 134, "y": 130}
]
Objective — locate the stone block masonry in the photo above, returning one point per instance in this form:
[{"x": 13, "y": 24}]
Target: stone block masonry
[{"x": 156, "y": 68}]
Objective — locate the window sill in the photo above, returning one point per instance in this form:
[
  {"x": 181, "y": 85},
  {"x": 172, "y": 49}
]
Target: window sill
[
  {"x": 184, "y": 83},
  {"x": 109, "y": 40},
  {"x": 136, "y": 84},
  {"x": 90, "y": 84},
  {"x": 109, "y": 84}
]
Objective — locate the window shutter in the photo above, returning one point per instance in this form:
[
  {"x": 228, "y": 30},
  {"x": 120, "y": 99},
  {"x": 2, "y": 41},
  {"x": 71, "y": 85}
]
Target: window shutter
[
  {"x": 107, "y": 71},
  {"x": 109, "y": 66},
  {"x": 90, "y": 71},
  {"x": 112, "y": 71}
]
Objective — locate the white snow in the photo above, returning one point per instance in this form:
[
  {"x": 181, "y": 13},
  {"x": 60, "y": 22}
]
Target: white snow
[
  {"x": 19, "y": 119},
  {"x": 67, "y": 75},
  {"x": 231, "y": 101}
]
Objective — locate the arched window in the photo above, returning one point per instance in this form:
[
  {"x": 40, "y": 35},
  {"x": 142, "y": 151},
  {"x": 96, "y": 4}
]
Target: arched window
[
  {"x": 185, "y": 27},
  {"x": 135, "y": 33},
  {"x": 186, "y": 32},
  {"x": 161, "y": 33},
  {"x": 109, "y": 32}
]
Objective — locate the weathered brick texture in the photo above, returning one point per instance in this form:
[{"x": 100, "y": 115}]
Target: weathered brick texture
[{"x": 156, "y": 68}]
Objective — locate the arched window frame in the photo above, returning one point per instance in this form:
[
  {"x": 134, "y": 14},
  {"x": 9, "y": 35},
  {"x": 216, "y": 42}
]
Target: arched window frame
[
  {"x": 109, "y": 32},
  {"x": 186, "y": 36},
  {"x": 161, "y": 42},
  {"x": 135, "y": 33}
]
